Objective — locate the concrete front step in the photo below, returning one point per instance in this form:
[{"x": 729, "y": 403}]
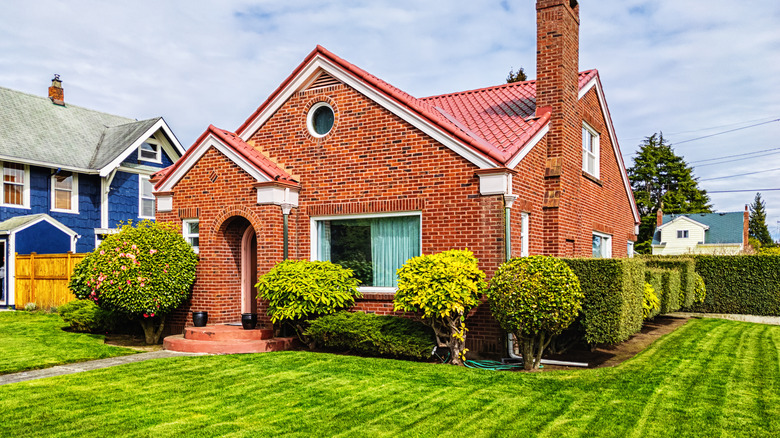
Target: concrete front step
[
  {"x": 226, "y": 333},
  {"x": 182, "y": 344}
]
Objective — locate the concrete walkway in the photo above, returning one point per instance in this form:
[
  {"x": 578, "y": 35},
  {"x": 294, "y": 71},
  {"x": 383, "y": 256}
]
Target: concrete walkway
[
  {"x": 87, "y": 366},
  {"x": 772, "y": 320}
]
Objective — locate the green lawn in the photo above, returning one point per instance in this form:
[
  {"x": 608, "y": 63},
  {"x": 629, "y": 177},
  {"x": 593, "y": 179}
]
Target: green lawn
[
  {"x": 709, "y": 378},
  {"x": 36, "y": 340}
]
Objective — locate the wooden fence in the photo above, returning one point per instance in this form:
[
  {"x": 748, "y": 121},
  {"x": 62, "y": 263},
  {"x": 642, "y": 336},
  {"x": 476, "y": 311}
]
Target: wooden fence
[{"x": 43, "y": 279}]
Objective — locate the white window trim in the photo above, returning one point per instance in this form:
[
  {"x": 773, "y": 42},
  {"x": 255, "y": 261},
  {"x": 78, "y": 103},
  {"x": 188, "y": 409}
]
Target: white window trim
[
  {"x": 310, "y": 119},
  {"x": 25, "y": 188},
  {"x": 74, "y": 195},
  {"x": 141, "y": 197},
  {"x": 596, "y": 139},
  {"x": 606, "y": 238},
  {"x": 524, "y": 232},
  {"x": 314, "y": 241},
  {"x": 154, "y": 142},
  {"x": 630, "y": 249},
  {"x": 187, "y": 235}
]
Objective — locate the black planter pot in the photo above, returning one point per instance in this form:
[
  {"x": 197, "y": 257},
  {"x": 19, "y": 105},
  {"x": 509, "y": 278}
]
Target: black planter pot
[
  {"x": 249, "y": 320},
  {"x": 199, "y": 319}
]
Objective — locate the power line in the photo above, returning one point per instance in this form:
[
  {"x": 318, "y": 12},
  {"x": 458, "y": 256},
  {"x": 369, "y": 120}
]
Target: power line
[
  {"x": 731, "y": 161},
  {"x": 726, "y": 132},
  {"x": 732, "y": 156},
  {"x": 706, "y": 129},
  {"x": 741, "y": 174},
  {"x": 747, "y": 190}
]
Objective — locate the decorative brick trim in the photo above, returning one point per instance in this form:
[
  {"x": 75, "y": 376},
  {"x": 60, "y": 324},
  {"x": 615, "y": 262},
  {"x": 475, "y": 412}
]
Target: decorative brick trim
[
  {"x": 632, "y": 237},
  {"x": 189, "y": 213},
  {"x": 524, "y": 205},
  {"x": 552, "y": 198},
  {"x": 604, "y": 229},
  {"x": 376, "y": 296},
  {"x": 236, "y": 210},
  {"x": 367, "y": 207},
  {"x": 553, "y": 167}
]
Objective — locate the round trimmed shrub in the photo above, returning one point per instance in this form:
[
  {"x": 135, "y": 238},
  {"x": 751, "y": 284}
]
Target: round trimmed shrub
[
  {"x": 534, "y": 298},
  {"x": 300, "y": 290},
  {"x": 146, "y": 272}
]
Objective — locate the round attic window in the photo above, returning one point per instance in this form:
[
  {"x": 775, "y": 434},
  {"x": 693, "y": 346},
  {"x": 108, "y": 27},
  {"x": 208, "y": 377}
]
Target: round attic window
[{"x": 320, "y": 119}]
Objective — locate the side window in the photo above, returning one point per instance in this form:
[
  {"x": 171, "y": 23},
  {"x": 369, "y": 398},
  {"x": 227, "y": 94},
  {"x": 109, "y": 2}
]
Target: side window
[
  {"x": 191, "y": 233},
  {"x": 590, "y": 150},
  {"x": 682, "y": 234},
  {"x": 150, "y": 150},
  {"x": 146, "y": 198},
  {"x": 602, "y": 246},
  {"x": 16, "y": 185},
  {"x": 524, "y": 220},
  {"x": 65, "y": 192},
  {"x": 630, "y": 249}
]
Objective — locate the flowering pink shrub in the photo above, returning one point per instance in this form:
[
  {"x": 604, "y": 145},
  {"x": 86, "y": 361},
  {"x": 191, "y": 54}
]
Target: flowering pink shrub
[{"x": 145, "y": 271}]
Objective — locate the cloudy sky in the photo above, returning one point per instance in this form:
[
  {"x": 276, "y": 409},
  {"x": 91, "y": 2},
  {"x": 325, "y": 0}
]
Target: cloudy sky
[{"x": 703, "y": 72}]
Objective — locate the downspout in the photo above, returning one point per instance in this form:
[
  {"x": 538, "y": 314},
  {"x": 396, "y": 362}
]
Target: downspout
[
  {"x": 509, "y": 200},
  {"x": 286, "y": 208}
]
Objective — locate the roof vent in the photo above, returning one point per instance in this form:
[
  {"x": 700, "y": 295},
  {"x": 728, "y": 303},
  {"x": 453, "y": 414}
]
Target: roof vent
[
  {"x": 324, "y": 80},
  {"x": 56, "y": 93}
]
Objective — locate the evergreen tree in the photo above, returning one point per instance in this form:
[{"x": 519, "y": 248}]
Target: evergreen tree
[
  {"x": 757, "y": 223},
  {"x": 516, "y": 76},
  {"x": 661, "y": 179}
]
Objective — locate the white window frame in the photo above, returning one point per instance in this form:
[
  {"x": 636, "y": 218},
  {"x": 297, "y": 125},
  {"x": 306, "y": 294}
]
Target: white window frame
[
  {"x": 630, "y": 249},
  {"x": 310, "y": 119},
  {"x": 141, "y": 197},
  {"x": 683, "y": 234},
  {"x": 185, "y": 232},
  {"x": 606, "y": 244},
  {"x": 524, "y": 231},
  {"x": 25, "y": 186},
  {"x": 590, "y": 133},
  {"x": 158, "y": 149},
  {"x": 74, "y": 195},
  {"x": 314, "y": 242}
]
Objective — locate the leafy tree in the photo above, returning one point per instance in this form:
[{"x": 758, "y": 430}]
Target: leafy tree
[
  {"x": 661, "y": 179},
  {"x": 757, "y": 223},
  {"x": 516, "y": 76},
  {"x": 443, "y": 287},
  {"x": 144, "y": 272},
  {"x": 534, "y": 298}
]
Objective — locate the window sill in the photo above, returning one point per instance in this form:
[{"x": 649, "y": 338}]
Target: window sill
[
  {"x": 21, "y": 207},
  {"x": 58, "y": 210},
  {"x": 377, "y": 293},
  {"x": 592, "y": 178},
  {"x": 146, "y": 217}
]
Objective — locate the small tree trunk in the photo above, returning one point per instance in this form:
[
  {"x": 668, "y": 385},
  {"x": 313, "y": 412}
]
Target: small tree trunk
[
  {"x": 527, "y": 345},
  {"x": 457, "y": 340},
  {"x": 152, "y": 332}
]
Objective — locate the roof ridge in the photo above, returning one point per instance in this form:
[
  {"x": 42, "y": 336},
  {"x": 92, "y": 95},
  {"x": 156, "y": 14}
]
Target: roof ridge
[
  {"x": 67, "y": 105},
  {"x": 475, "y": 90}
]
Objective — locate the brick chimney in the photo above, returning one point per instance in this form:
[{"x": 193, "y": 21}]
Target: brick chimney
[
  {"x": 745, "y": 226},
  {"x": 557, "y": 90},
  {"x": 56, "y": 93},
  {"x": 659, "y": 218}
]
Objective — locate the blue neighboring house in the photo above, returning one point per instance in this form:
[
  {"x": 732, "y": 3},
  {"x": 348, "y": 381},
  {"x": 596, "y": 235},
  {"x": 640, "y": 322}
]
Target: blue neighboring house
[{"x": 70, "y": 175}]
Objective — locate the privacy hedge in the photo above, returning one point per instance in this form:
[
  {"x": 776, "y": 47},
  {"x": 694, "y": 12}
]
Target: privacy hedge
[
  {"x": 614, "y": 290},
  {"x": 666, "y": 283},
  {"x": 687, "y": 268},
  {"x": 373, "y": 335},
  {"x": 745, "y": 284}
]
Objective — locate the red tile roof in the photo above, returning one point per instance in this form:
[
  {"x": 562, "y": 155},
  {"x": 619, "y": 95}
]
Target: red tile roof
[
  {"x": 497, "y": 121},
  {"x": 247, "y": 152}
]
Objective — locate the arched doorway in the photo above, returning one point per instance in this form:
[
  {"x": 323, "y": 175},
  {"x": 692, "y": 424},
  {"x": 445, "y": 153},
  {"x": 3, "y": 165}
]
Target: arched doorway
[{"x": 249, "y": 271}]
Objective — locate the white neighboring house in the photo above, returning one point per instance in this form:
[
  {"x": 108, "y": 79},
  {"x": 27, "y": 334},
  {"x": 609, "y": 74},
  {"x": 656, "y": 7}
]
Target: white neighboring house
[{"x": 700, "y": 233}]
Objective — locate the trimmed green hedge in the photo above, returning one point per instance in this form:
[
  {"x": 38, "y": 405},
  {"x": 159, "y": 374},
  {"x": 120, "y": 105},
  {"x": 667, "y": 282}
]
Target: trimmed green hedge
[
  {"x": 744, "y": 284},
  {"x": 687, "y": 267},
  {"x": 666, "y": 283},
  {"x": 373, "y": 335},
  {"x": 614, "y": 291}
]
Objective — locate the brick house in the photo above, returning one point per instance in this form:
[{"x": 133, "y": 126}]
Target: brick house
[{"x": 339, "y": 165}]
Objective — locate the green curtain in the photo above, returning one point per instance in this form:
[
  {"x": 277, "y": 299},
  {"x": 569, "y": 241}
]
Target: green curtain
[
  {"x": 323, "y": 233},
  {"x": 394, "y": 240}
]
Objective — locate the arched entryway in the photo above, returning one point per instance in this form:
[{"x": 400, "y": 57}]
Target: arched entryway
[{"x": 249, "y": 271}]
